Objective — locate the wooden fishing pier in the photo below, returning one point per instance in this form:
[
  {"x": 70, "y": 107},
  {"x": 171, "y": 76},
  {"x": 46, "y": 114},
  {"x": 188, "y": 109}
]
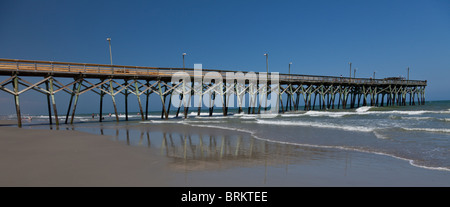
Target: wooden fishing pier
[{"x": 330, "y": 92}]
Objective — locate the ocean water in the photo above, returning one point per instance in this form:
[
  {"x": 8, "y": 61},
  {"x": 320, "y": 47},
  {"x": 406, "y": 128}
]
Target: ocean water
[{"x": 419, "y": 135}]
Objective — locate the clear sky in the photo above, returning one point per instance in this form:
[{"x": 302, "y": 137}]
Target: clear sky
[{"x": 320, "y": 37}]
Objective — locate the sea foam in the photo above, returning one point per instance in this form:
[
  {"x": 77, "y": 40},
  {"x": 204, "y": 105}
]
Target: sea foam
[
  {"x": 427, "y": 130},
  {"x": 316, "y": 124},
  {"x": 363, "y": 109}
]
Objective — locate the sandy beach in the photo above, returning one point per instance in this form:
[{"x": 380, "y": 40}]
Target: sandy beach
[
  {"x": 125, "y": 157},
  {"x": 70, "y": 158}
]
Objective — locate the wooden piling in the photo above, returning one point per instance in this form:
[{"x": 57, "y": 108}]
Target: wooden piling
[
  {"x": 139, "y": 100},
  {"x": 48, "y": 104},
  {"x": 170, "y": 100},
  {"x": 212, "y": 99},
  {"x": 188, "y": 103},
  {"x": 224, "y": 100},
  {"x": 16, "y": 100},
  {"x": 101, "y": 103},
  {"x": 113, "y": 99},
  {"x": 52, "y": 95},
  {"x": 126, "y": 99},
  {"x": 162, "y": 100},
  {"x": 147, "y": 94},
  {"x": 77, "y": 93},
  {"x": 200, "y": 98},
  {"x": 70, "y": 103}
]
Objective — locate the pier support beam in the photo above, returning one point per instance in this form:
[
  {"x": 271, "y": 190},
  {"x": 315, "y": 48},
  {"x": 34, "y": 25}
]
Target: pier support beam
[
  {"x": 200, "y": 98},
  {"x": 48, "y": 104},
  {"x": 224, "y": 100},
  {"x": 101, "y": 102},
  {"x": 70, "y": 103},
  {"x": 16, "y": 100},
  {"x": 52, "y": 95},
  {"x": 181, "y": 98},
  {"x": 280, "y": 97},
  {"x": 162, "y": 101},
  {"x": 126, "y": 100},
  {"x": 111, "y": 90},
  {"x": 77, "y": 93},
  {"x": 147, "y": 94},
  {"x": 139, "y": 99},
  {"x": 170, "y": 100},
  {"x": 212, "y": 100},
  {"x": 188, "y": 103}
]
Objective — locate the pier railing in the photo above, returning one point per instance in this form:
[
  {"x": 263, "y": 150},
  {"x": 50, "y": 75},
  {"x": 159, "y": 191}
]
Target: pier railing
[{"x": 11, "y": 65}]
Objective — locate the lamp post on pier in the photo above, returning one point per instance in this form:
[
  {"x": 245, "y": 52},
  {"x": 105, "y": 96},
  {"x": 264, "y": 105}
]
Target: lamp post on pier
[
  {"x": 267, "y": 70},
  {"x": 350, "y": 63},
  {"x": 290, "y": 63},
  {"x": 267, "y": 63},
  {"x": 110, "y": 52},
  {"x": 184, "y": 54},
  {"x": 408, "y": 74}
]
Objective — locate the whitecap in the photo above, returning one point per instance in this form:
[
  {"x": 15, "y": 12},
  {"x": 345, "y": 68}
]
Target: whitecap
[
  {"x": 293, "y": 115},
  {"x": 318, "y": 125},
  {"x": 363, "y": 109},
  {"x": 427, "y": 130},
  {"x": 379, "y": 135},
  {"x": 417, "y": 118},
  {"x": 203, "y": 121},
  {"x": 329, "y": 114},
  {"x": 248, "y": 117},
  {"x": 161, "y": 122},
  {"x": 204, "y": 114},
  {"x": 398, "y": 112},
  {"x": 213, "y": 117}
]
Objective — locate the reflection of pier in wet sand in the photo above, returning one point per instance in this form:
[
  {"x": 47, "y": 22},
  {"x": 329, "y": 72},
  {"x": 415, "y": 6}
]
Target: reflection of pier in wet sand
[{"x": 189, "y": 148}]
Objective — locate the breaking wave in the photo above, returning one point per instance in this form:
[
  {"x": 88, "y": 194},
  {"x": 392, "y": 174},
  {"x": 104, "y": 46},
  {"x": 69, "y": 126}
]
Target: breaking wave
[
  {"x": 427, "y": 130},
  {"x": 318, "y": 125}
]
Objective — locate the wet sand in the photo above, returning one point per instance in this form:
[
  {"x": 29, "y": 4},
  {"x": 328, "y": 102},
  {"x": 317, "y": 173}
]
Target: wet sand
[
  {"x": 180, "y": 155},
  {"x": 8, "y": 122}
]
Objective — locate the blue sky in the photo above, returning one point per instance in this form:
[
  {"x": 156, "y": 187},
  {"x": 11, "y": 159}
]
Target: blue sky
[{"x": 319, "y": 37}]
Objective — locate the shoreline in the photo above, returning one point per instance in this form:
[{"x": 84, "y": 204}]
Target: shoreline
[
  {"x": 378, "y": 161},
  {"x": 410, "y": 161}
]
